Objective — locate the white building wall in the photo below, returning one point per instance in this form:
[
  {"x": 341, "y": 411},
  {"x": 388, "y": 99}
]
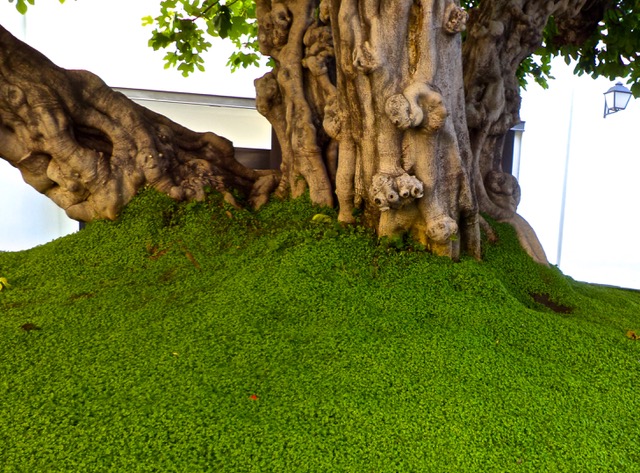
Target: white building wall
[
  {"x": 27, "y": 218},
  {"x": 601, "y": 218}
]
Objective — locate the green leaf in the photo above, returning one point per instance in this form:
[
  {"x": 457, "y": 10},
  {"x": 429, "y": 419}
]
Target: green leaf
[
  {"x": 21, "y": 6},
  {"x": 321, "y": 218},
  {"x": 184, "y": 24},
  {"x": 222, "y": 21},
  {"x": 146, "y": 20}
]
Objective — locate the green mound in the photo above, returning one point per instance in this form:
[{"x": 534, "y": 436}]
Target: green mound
[{"x": 197, "y": 337}]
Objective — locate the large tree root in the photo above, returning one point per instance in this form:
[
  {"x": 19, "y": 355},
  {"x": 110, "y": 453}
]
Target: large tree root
[{"x": 91, "y": 149}]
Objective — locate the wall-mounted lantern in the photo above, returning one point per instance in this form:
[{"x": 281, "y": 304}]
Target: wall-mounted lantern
[{"x": 616, "y": 99}]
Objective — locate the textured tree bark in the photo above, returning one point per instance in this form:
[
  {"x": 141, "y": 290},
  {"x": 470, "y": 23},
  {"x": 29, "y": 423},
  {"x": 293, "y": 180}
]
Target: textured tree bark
[
  {"x": 380, "y": 83},
  {"x": 368, "y": 100},
  {"x": 501, "y": 34},
  {"x": 293, "y": 96},
  {"x": 90, "y": 149}
]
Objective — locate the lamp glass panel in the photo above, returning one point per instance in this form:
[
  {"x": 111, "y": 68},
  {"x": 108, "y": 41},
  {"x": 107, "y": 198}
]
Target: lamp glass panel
[
  {"x": 621, "y": 100},
  {"x": 609, "y": 99}
]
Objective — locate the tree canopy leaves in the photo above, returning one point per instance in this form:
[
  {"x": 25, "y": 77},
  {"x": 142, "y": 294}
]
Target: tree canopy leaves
[
  {"x": 612, "y": 49},
  {"x": 603, "y": 40},
  {"x": 186, "y": 25}
]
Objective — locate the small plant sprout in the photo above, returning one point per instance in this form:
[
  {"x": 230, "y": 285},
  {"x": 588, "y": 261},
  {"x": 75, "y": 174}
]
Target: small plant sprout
[{"x": 321, "y": 218}]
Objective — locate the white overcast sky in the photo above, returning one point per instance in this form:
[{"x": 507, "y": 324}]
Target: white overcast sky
[{"x": 602, "y": 220}]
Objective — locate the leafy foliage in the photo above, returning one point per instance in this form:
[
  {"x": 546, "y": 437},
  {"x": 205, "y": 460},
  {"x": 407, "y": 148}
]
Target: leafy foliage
[
  {"x": 22, "y": 6},
  {"x": 185, "y": 25},
  {"x": 536, "y": 67},
  {"x": 610, "y": 50}
]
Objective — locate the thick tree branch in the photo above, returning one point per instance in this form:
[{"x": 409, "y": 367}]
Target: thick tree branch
[{"x": 91, "y": 149}]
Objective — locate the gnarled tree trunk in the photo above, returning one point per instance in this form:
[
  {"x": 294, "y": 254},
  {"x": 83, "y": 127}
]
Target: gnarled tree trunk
[
  {"x": 368, "y": 100},
  {"x": 90, "y": 149},
  {"x": 380, "y": 83},
  {"x": 293, "y": 96},
  {"x": 501, "y": 34}
]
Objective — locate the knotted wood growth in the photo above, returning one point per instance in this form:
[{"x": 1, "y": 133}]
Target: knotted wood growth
[
  {"x": 380, "y": 84},
  {"x": 500, "y": 35},
  {"x": 293, "y": 96},
  {"x": 368, "y": 100},
  {"x": 91, "y": 149}
]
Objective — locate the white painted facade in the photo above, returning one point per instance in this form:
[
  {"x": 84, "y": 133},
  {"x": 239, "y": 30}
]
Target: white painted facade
[
  {"x": 601, "y": 218},
  {"x": 602, "y": 160}
]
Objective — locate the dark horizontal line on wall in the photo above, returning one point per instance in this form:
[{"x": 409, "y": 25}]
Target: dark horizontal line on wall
[{"x": 188, "y": 98}]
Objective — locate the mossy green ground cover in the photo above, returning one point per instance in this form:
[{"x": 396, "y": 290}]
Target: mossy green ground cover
[{"x": 202, "y": 338}]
